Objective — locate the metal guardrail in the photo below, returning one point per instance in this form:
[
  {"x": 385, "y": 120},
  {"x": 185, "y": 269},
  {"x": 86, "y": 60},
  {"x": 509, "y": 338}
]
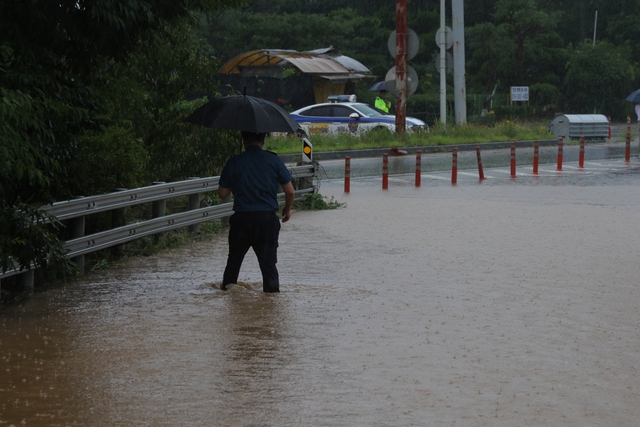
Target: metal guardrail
[
  {"x": 82, "y": 206},
  {"x": 161, "y": 191}
]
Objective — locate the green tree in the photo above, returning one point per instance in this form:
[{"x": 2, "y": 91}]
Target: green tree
[
  {"x": 50, "y": 54},
  {"x": 145, "y": 97},
  {"x": 598, "y": 78}
]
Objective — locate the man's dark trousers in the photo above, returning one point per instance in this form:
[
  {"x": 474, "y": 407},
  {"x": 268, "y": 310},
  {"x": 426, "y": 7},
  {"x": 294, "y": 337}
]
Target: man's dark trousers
[{"x": 257, "y": 230}]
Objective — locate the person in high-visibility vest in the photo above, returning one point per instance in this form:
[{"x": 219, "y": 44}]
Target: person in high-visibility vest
[{"x": 381, "y": 103}]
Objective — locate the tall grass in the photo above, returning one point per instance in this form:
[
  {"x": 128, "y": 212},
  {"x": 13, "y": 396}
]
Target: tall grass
[{"x": 439, "y": 135}]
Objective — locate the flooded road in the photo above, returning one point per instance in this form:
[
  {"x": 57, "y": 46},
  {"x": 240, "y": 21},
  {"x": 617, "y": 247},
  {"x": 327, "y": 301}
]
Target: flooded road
[{"x": 511, "y": 302}]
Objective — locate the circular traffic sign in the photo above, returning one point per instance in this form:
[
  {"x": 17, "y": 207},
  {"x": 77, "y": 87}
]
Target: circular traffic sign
[
  {"x": 448, "y": 37},
  {"x": 412, "y": 81},
  {"x": 448, "y": 63},
  {"x": 413, "y": 44}
]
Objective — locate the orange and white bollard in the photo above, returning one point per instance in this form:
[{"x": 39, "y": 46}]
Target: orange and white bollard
[
  {"x": 536, "y": 156},
  {"x": 418, "y": 167},
  {"x": 454, "y": 167},
  {"x": 347, "y": 174},
  {"x": 513, "y": 159},
  {"x": 560, "y": 145},
  {"x": 385, "y": 171},
  {"x": 480, "y": 170},
  {"x": 627, "y": 148}
]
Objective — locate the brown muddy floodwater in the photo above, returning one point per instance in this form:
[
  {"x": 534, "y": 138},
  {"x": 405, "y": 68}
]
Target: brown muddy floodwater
[{"x": 496, "y": 304}]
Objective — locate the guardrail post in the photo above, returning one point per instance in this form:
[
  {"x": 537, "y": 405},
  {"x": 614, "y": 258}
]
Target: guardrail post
[
  {"x": 194, "y": 203},
  {"x": 26, "y": 280},
  {"x": 158, "y": 209},
  {"x": 77, "y": 230},
  {"x": 118, "y": 219}
]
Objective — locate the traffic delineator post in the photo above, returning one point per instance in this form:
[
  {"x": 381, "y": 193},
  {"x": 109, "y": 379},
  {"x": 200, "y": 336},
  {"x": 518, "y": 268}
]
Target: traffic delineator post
[
  {"x": 627, "y": 147},
  {"x": 480, "y": 170},
  {"x": 581, "y": 158},
  {"x": 536, "y": 156},
  {"x": 454, "y": 167},
  {"x": 307, "y": 151},
  {"x": 560, "y": 149},
  {"x": 347, "y": 174},
  {"x": 418, "y": 167},
  {"x": 513, "y": 159},
  {"x": 385, "y": 171}
]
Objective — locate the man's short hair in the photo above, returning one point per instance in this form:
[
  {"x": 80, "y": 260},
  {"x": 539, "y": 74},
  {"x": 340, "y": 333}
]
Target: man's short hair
[{"x": 251, "y": 137}]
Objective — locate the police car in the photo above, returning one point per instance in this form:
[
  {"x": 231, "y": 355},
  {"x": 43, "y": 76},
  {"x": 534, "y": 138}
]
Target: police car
[{"x": 344, "y": 115}]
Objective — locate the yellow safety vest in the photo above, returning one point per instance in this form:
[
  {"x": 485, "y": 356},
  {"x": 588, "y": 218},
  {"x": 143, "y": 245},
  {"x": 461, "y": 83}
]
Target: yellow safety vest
[{"x": 381, "y": 104}]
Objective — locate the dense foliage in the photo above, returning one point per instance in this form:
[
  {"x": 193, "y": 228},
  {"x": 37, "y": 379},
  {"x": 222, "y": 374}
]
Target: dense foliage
[{"x": 88, "y": 92}]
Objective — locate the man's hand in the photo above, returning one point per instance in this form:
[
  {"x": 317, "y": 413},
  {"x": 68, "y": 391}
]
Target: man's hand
[
  {"x": 289, "y": 195},
  {"x": 286, "y": 215},
  {"x": 223, "y": 192}
]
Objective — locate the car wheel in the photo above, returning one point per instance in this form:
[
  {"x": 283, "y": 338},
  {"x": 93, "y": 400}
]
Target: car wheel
[{"x": 380, "y": 132}]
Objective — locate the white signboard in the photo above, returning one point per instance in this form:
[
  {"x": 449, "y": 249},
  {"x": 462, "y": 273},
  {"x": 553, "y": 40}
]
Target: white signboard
[{"x": 519, "y": 93}]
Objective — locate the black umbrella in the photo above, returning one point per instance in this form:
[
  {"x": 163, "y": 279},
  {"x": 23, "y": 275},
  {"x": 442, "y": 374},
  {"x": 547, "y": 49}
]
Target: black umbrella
[
  {"x": 246, "y": 113},
  {"x": 378, "y": 87},
  {"x": 634, "y": 97}
]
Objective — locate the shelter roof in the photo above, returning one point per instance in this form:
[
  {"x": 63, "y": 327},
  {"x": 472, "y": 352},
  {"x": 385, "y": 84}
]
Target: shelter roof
[{"x": 320, "y": 62}]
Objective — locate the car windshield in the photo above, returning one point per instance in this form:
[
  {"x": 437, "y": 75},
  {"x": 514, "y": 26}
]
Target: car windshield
[{"x": 368, "y": 110}]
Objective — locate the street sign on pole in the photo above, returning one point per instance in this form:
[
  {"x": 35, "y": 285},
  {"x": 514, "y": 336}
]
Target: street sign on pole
[
  {"x": 413, "y": 44},
  {"x": 411, "y": 81}
]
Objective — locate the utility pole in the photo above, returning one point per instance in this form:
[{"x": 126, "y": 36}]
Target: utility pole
[
  {"x": 443, "y": 66},
  {"x": 460, "y": 96},
  {"x": 401, "y": 65}
]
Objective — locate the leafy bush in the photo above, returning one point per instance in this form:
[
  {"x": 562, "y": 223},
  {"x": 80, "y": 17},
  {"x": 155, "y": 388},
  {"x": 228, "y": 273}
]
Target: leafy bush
[{"x": 317, "y": 202}]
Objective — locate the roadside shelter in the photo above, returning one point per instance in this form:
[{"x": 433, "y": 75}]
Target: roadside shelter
[{"x": 293, "y": 78}]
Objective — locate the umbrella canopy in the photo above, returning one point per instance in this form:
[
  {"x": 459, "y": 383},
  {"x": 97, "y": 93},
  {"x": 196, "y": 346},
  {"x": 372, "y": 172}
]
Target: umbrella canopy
[
  {"x": 378, "y": 87},
  {"x": 244, "y": 113},
  {"x": 634, "y": 97}
]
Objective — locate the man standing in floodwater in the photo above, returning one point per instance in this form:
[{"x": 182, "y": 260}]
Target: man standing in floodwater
[{"x": 253, "y": 177}]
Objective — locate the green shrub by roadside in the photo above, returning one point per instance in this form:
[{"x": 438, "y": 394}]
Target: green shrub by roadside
[
  {"x": 439, "y": 134},
  {"x": 318, "y": 202}
]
